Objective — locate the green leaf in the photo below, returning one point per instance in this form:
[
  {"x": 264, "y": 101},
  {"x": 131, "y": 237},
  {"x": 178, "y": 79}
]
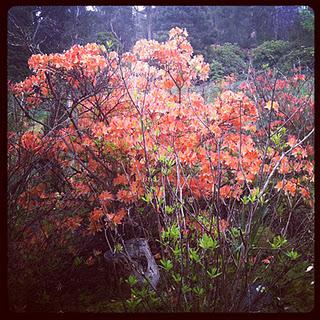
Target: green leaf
[
  {"x": 199, "y": 291},
  {"x": 245, "y": 200},
  {"x": 207, "y": 242},
  {"x": 235, "y": 232},
  {"x": 278, "y": 241},
  {"x": 213, "y": 272},
  {"x": 169, "y": 210},
  {"x": 132, "y": 280},
  {"x": 177, "y": 251},
  {"x": 186, "y": 289},
  {"x": 170, "y": 149},
  {"x": 172, "y": 233},
  {"x": 118, "y": 247},
  {"x": 147, "y": 197},
  {"x": 166, "y": 264},
  {"x": 177, "y": 277},
  {"x": 193, "y": 254},
  {"x": 293, "y": 255},
  {"x": 77, "y": 261}
]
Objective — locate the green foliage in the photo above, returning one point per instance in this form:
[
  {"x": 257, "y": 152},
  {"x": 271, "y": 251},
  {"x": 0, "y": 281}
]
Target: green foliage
[
  {"x": 78, "y": 261},
  {"x": 132, "y": 280},
  {"x": 278, "y": 139},
  {"x": 307, "y": 18},
  {"x": 270, "y": 52},
  {"x": 177, "y": 277},
  {"x": 172, "y": 233},
  {"x": 282, "y": 54},
  {"x": 193, "y": 254},
  {"x": 252, "y": 197},
  {"x": 207, "y": 243},
  {"x": 213, "y": 272},
  {"x": 278, "y": 242},
  {"x": 133, "y": 303},
  {"x": 293, "y": 255},
  {"x": 262, "y": 236},
  {"x": 295, "y": 281},
  {"x": 299, "y": 56},
  {"x": 216, "y": 70},
  {"x": 109, "y": 40},
  {"x": 199, "y": 291},
  {"x": 169, "y": 210},
  {"x": 166, "y": 264},
  {"x": 226, "y": 59}
]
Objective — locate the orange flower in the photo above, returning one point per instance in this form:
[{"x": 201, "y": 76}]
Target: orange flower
[
  {"x": 299, "y": 152},
  {"x": 207, "y": 140},
  {"x": 120, "y": 179},
  {"x": 81, "y": 188},
  {"x": 117, "y": 217},
  {"x": 280, "y": 184},
  {"x": 99, "y": 129},
  {"x": 284, "y": 166},
  {"x": 168, "y": 84},
  {"x": 291, "y": 187},
  {"x": 225, "y": 191},
  {"x": 31, "y": 141},
  {"x": 292, "y": 140},
  {"x": 305, "y": 193},
  {"x": 96, "y": 214},
  {"x": 73, "y": 223},
  {"x": 105, "y": 196},
  {"x": 126, "y": 196}
]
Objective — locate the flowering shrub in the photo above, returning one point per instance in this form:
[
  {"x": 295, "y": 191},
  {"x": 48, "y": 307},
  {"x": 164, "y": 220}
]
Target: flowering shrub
[{"x": 127, "y": 140}]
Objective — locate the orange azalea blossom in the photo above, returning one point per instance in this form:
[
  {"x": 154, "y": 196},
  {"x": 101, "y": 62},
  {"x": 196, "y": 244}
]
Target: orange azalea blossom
[
  {"x": 289, "y": 186},
  {"x": 31, "y": 141},
  {"x": 73, "y": 223},
  {"x": 225, "y": 191},
  {"x": 299, "y": 152},
  {"x": 96, "y": 214},
  {"x": 99, "y": 129},
  {"x": 305, "y": 193},
  {"x": 105, "y": 196},
  {"x": 292, "y": 141},
  {"x": 284, "y": 166},
  {"x": 280, "y": 185},
  {"x": 120, "y": 179},
  {"x": 117, "y": 217},
  {"x": 81, "y": 188},
  {"x": 126, "y": 196},
  {"x": 138, "y": 119}
]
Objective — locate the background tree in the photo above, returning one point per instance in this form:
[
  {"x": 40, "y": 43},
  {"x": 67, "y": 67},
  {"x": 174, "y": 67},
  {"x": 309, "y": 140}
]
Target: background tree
[{"x": 44, "y": 29}]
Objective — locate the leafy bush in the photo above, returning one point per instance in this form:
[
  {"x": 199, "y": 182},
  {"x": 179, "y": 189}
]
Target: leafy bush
[
  {"x": 270, "y": 53},
  {"x": 300, "y": 57},
  {"x": 283, "y": 55},
  {"x": 226, "y": 59}
]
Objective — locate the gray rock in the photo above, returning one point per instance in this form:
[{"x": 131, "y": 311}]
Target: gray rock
[{"x": 137, "y": 255}]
